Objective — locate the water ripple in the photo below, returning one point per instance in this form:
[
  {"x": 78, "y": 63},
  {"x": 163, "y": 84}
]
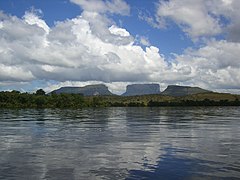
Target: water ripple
[{"x": 120, "y": 143}]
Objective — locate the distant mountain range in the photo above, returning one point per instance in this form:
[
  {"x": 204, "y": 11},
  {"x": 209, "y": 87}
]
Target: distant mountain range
[
  {"x": 132, "y": 90},
  {"x": 89, "y": 90}
]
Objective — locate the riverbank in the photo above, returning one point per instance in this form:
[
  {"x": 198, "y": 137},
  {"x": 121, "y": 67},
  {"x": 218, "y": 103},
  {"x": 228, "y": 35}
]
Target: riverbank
[{"x": 16, "y": 99}]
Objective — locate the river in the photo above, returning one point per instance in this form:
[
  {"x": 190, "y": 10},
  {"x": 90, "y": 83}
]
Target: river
[{"x": 120, "y": 143}]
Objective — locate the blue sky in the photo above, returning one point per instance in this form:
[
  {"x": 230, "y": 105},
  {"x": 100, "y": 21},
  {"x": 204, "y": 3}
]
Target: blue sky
[
  {"x": 48, "y": 44},
  {"x": 58, "y": 10}
]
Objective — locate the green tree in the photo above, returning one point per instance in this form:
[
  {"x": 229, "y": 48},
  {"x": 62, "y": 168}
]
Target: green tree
[
  {"x": 40, "y": 102},
  {"x": 40, "y": 92}
]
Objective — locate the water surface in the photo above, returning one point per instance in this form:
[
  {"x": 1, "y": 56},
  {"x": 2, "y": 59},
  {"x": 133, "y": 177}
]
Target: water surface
[{"x": 120, "y": 143}]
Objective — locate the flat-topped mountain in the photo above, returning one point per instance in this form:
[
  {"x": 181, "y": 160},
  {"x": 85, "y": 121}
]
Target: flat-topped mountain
[
  {"x": 132, "y": 90},
  {"x": 141, "y": 89},
  {"x": 89, "y": 90},
  {"x": 174, "y": 90}
]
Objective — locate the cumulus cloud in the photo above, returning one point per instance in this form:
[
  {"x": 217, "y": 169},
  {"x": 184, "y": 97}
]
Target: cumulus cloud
[
  {"x": 201, "y": 18},
  {"x": 32, "y": 18},
  {"x": 191, "y": 16},
  {"x": 79, "y": 49},
  {"x": 214, "y": 66},
  {"x": 92, "y": 48}
]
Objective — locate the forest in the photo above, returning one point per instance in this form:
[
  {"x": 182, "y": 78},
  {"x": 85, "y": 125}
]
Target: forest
[{"x": 40, "y": 99}]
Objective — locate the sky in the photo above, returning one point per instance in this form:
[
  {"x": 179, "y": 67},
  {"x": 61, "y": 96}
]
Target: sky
[{"x": 50, "y": 44}]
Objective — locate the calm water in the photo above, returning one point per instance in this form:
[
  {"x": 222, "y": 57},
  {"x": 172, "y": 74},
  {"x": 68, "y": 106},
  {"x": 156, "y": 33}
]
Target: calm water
[{"x": 120, "y": 143}]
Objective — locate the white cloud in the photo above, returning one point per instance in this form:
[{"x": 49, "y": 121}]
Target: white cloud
[
  {"x": 142, "y": 40},
  {"x": 201, "y": 18},
  {"x": 154, "y": 22},
  {"x": 191, "y": 16},
  {"x": 89, "y": 51},
  {"x": 215, "y": 65},
  {"x": 113, "y": 6},
  {"x": 92, "y": 48},
  {"x": 118, "y": 31},
  {"x": 31, "y": 18},
  {"x": 8, "y": 73}
]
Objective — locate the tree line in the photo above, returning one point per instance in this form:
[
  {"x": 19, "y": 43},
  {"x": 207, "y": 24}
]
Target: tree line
[
  {"x": 15, "y": 99},
  {"x": 40, "y": 99},
  {"x": 205, "y": 102}
]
